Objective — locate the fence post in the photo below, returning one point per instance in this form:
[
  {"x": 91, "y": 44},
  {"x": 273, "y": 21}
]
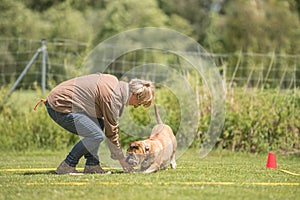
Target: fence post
[
  {"x": 42, "y": 49},
  {"x": 24, "y": 72},
  {"x": 236, "y": 68},
  {"x": 44, "y": 65}
]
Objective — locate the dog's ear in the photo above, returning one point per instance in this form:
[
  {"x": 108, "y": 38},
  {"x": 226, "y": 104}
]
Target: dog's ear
[{"x": 134, "y": 145}]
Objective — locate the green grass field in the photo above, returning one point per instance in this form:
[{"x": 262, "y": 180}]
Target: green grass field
[{"x": 221, "y": 175}]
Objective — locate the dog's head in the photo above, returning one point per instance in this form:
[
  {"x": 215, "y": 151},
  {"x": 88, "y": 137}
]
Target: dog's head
[{"x": 137, "y": 153}]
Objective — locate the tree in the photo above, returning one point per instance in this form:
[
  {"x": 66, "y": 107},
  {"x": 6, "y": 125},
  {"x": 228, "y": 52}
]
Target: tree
[
  {"x": 18, "y": 21},
  {"x": 62, "y": 21},
  {"x": 128, "y": 14},
  {"x": 197, "y": 13},
  {"x": 259, "y": 26},
  {"x": 296, "y": 5},
  {"x": 41, "y": 5}
]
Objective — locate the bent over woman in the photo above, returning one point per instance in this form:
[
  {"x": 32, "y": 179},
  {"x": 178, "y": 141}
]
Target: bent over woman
[{"x": 90, "y": 107}]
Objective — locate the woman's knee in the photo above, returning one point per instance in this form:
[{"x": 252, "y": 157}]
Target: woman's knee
[{"x": 99, "y": 136}]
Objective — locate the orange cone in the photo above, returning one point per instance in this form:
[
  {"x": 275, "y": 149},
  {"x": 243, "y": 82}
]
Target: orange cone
[{"x": 271, "y": 162}]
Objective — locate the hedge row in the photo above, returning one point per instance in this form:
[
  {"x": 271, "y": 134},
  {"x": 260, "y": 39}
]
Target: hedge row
[
  {"x": 255, "y": 121},
  {"x": 262, "y": 121}
]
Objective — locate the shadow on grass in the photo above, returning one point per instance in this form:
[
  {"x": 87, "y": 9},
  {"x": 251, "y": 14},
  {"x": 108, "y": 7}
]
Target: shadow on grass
[{"x": 40, "y": 172}]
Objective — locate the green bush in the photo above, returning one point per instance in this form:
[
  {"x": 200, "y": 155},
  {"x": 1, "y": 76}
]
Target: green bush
[
  {"x": 261, "y": 120},
  {"x": 23, "y": 128},
  {"x": 256, "y": 121}
]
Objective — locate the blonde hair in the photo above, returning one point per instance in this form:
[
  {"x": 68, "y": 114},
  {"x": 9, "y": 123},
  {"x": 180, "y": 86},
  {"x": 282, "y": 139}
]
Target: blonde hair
[{"x": 144, "y": 91}]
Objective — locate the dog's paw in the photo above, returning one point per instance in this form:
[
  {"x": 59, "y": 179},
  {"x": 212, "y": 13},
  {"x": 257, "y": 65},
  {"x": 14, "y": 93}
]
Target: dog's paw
[{"x": 173, "y": 165}]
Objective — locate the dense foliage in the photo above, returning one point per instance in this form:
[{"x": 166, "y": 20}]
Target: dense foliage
[
  {"x": 220, "y": 25},
  {"x": 255, "y": 121}
]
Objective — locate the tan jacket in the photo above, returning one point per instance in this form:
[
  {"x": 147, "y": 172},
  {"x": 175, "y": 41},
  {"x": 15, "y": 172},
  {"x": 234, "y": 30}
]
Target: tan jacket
[{"x": 97, "y": 95}]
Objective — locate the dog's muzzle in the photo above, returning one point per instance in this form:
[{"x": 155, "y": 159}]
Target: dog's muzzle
[{"x": 131, "y": 161}]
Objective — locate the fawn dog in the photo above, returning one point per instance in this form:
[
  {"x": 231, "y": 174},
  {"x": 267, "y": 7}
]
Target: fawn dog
[{"x": 155, "y": 152}]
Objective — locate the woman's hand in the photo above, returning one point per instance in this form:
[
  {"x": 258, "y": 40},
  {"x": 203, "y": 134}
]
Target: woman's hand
[{"x": 126, "y": 167}]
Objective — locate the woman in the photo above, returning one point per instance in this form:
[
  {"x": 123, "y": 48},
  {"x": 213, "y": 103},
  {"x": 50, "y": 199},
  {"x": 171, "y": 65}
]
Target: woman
[{"x": 85, "y": 106}]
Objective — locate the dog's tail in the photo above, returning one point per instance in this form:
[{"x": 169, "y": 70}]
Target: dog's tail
[{"x": 157, "y": 115}]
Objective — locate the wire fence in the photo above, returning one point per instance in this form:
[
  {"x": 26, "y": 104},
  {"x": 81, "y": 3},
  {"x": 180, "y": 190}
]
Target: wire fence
[
  {"x": 252, "y": 114},
  {"x": 64, "y": 58}
]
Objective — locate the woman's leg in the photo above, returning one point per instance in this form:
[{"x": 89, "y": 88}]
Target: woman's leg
[
  {"x": 91, "y": 133},
  {"x": 86, "y": 127},
  {"x": 90, "y": 159}
]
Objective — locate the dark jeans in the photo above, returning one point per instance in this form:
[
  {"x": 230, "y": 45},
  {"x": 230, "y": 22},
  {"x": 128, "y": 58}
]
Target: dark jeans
[{"x": 90, "y": 129}]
